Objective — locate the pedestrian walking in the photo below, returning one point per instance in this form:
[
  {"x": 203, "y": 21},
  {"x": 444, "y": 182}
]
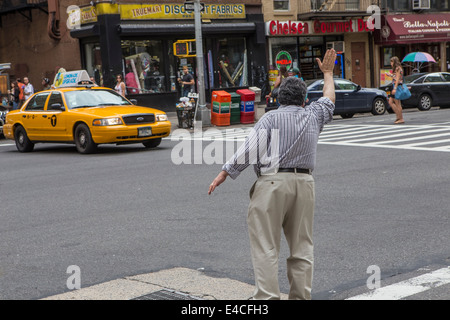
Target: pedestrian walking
[
  {"x": 46, "y": 84},
  {"x": 397, "y": 80},
  {"x": 28, "y": 90},
  {"x": 21, "y": 95},
  {"x": 282, "y": 74},
  {"x": 120, "y": 86},
  {"x": 187, "y": 82},
  {"x": 14, "y": 96},
  {"x": 282, "y": 198},
  {"x": 296, "y": 73}
]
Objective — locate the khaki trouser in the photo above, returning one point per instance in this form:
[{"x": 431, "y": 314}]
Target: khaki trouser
[{"x": 282, "y": 201}]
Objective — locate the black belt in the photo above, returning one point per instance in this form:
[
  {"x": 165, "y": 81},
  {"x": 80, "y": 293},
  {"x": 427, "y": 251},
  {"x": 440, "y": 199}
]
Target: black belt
[{"x": 296, "y": 170}]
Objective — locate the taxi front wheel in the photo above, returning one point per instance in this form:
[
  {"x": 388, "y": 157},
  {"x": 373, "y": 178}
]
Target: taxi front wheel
[
  {"x": 83, "y": 140},
  {"x": 23, "y": 143}
]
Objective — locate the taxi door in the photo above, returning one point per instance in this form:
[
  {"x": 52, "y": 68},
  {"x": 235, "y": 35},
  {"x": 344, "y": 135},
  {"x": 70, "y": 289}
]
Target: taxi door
[
  {"x": 55, "y": 116},
  {"x": 33, "y": 116}
]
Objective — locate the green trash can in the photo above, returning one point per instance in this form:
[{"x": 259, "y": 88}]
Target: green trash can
[{"x": 235, "y": 116}]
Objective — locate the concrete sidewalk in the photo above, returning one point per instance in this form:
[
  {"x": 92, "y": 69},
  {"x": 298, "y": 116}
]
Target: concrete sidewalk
[{"x": 177, "y": 282}]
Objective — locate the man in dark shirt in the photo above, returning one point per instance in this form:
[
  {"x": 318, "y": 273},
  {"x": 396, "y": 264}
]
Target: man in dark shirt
[{"x": 186, "y": 81}]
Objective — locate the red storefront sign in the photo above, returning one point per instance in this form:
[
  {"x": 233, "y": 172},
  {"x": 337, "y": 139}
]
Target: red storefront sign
[
  {"x": 316, "y": 27},
  {"x": 413, "y": 28},
  {"x": 284, "y": 28}
]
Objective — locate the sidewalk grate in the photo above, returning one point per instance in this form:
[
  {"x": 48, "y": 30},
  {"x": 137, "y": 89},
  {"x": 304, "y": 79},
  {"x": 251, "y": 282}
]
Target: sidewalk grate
[{"x": 167, "y": 295}]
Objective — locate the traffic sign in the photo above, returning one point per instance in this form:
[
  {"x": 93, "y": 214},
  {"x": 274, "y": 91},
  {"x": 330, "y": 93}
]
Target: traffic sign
[{"x": 189, "y": 6}]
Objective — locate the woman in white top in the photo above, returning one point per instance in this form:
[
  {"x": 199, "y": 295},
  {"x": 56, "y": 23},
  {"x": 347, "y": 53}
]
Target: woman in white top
[{"x": 120, "y": 86}]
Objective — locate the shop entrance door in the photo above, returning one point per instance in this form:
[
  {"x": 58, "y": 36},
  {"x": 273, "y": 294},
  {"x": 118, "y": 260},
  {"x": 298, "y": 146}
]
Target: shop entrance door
[{"x": 359, "y": 63}]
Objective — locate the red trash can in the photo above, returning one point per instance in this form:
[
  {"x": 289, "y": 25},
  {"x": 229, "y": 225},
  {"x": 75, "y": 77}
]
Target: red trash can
[{"x": 247, "y": 105}]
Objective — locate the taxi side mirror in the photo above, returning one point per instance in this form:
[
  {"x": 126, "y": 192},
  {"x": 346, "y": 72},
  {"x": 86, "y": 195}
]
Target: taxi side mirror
[
  {"x": 57, "y": 106},
  {"x": 133, "y": 101}
]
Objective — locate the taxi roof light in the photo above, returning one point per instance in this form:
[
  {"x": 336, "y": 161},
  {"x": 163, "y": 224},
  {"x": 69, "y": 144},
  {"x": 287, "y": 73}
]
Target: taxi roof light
[{"x": 78, "y": 78}]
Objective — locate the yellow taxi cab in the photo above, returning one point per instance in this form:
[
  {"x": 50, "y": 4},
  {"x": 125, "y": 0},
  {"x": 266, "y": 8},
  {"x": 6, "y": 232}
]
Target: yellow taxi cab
[{"x": 77, "y": 111}]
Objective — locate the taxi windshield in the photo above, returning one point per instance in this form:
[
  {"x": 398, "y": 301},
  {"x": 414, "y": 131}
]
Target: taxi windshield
[{"x": 94, "y": 98}]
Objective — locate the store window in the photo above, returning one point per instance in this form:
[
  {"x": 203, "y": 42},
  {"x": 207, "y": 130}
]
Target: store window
[
  {"x": 93, "y": 61},
  {"x": 283, "y": 52},
  {"x": 352, "y": 5},
  {"x": 144, "y": 66},
  {"x": 309, "y": 49},
  {"x": 399, "y": 5},
  {"x": 232, "y": 64},
  {"x": 281, "y": 5},
  {"x": 440, "y": 5},
  {"x": 388, "y": 53}
]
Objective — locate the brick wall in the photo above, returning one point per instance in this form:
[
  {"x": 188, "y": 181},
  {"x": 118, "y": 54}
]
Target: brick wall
[{"x": 30, "y": 50}]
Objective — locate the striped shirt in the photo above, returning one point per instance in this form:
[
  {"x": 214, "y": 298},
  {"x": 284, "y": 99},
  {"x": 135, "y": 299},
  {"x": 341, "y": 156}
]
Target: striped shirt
[{"x": 283, "y": 138}]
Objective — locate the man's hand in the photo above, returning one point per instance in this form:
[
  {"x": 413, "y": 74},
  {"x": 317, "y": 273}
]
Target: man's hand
[
  {"x": 327, "y": 67},
  {"x": 217, "y": 181},
  {"x": 329, "y": 60}
]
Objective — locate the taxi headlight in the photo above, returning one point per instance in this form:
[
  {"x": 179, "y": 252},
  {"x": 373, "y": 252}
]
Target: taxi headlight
[
  {"x": 161, "y": 117},
  {"x": 107, "y": 122}
]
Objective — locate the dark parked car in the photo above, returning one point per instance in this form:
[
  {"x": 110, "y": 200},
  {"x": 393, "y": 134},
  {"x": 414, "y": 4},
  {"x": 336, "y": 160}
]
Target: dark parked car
[
  {"x": 350, "y": 97},
  {"x": 427, "y": 90}
]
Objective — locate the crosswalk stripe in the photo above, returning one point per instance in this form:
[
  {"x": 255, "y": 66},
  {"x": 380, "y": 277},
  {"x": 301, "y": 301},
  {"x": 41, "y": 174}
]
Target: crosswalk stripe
[
  {"x": 417, "y": 138},
  {"x": 408, "y": 287},
  {"x": 408, "y": 137},
  {"x": 364, "y": 133},
  {"x": 390, "y": 136}
]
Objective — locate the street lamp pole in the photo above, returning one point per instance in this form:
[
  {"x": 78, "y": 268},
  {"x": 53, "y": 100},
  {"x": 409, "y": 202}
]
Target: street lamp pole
[{"x": 204, "y": 113}]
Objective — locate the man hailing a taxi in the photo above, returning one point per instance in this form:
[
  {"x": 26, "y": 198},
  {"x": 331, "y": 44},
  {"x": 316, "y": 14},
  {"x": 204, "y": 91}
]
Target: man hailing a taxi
[{"x": 283, "y": 196}]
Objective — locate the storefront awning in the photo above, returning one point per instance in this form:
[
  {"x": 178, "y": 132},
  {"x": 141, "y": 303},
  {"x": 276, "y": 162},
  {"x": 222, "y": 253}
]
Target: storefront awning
[
  {"x": 85, "y": 31},
  {"x": 413, "y": 28},
  {"x": 148, "y": 29}
]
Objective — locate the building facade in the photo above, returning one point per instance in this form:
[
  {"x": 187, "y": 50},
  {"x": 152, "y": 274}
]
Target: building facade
[
  {"x": 410, "y": 26},
  {"x": 149, "y": 43},
  {"x": 138, "y": 39},
  {"x": 34, "y": 38},
  {"x": 244, "y": 42},
  {"x": 300, "y": 31}
]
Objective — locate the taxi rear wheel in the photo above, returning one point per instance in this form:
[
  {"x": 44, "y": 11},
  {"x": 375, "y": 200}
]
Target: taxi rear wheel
[
  {"x": 152, "y": 143},
  {"x": 83, "y": 140},
  {"x": 23, "y": 143}
]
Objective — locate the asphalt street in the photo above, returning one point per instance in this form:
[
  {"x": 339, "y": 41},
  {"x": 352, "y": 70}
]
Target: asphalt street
[{"x": 127, "y": 211}]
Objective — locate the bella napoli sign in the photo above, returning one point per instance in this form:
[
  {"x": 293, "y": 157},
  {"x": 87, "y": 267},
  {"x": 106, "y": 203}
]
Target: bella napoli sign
[{"x": 420, "y": 25}]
